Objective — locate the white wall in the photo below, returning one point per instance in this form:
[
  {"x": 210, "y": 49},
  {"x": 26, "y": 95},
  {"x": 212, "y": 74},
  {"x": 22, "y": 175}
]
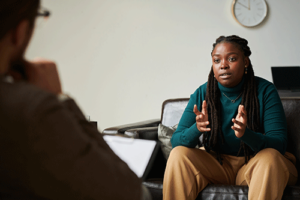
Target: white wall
[{"x": 120, "y": 59}]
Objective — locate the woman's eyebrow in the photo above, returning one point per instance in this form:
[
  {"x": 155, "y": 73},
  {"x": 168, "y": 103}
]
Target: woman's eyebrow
[
  {"x": 232, "y": 53},
  {"x": 226, "y": 54}
]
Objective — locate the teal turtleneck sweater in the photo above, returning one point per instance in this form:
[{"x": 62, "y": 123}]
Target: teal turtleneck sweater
[{"x": 272, "y": 120}]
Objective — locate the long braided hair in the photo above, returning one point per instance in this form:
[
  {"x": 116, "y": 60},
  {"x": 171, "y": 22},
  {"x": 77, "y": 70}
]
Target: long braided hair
[{"x": 249, "y": 100}]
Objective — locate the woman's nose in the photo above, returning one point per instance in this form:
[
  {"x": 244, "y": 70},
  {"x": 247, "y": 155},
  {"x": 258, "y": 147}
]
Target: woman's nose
[{"x": 224, "y": 65}]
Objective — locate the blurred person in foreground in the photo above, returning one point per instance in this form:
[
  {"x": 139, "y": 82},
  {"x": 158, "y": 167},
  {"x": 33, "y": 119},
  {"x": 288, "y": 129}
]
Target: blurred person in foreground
[{"x": 48, "y": 150}]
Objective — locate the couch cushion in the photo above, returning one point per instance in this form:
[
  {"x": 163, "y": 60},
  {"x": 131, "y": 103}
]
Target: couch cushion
[
  {"x": 220, "y": 192},
  {"x": 164, "y": 136},
  {"x": 155, "y": 187}
]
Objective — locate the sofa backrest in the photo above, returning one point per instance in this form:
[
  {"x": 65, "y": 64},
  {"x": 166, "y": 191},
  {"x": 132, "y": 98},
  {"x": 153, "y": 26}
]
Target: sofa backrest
[{"x": 172, "y": 110}]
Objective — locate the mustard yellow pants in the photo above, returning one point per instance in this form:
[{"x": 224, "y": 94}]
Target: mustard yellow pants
[{"x": 189, "y": 170}]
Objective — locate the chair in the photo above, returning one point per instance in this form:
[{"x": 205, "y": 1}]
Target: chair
[{"x": 172, "y": 110}]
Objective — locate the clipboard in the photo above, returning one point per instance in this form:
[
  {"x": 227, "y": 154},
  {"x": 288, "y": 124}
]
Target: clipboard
[{"x": 137, "y": 153}]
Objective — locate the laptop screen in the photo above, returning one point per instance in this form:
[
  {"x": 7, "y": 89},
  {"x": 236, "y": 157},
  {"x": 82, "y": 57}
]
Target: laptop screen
[{"x": 286, "y": 78}]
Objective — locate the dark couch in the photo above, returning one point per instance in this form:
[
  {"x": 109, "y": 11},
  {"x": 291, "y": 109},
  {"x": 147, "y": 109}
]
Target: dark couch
[{"x": 172, "y": 110}]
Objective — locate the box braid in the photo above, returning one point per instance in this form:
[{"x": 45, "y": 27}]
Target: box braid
[{"x": 249, "y": 100}]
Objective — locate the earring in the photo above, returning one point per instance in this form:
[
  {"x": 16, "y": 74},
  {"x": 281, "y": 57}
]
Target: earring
[{"x": 246, "y": 69}]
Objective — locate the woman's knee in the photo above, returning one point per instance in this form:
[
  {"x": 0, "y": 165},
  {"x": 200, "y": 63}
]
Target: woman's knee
[
  {"x": 181, "y": 153},
  {"x": 270, "y": 157},
  {"x": 268, "y": 153}
]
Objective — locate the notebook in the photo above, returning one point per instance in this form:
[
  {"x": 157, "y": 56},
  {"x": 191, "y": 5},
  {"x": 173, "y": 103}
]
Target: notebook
[{"x": 137, "y": 153}]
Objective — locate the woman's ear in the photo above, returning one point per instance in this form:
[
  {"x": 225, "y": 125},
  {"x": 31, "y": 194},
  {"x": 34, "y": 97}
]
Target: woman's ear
[{"x": 247, "y": 61}]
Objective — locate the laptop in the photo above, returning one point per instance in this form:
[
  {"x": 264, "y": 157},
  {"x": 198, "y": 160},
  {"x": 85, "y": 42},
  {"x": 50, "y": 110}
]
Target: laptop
[
  {"x": 287, "y": 80},
  {"x": 137, "y": 153}
]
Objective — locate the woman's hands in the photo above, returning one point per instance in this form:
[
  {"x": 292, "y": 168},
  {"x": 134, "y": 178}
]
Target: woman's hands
[
  {"x": 240, "y": 122},
  {"x": 202, "y": 117}
]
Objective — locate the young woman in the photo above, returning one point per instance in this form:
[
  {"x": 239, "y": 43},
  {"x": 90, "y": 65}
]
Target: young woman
[{"x": 244, "y": 132}]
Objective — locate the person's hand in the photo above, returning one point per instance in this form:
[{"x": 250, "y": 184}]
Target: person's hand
[
  {"x": 39, "y": 72},
  {"x": 43, "y": 74},
  {"x": 202, "y": 117},
  {"x": 240, "y": 122}
]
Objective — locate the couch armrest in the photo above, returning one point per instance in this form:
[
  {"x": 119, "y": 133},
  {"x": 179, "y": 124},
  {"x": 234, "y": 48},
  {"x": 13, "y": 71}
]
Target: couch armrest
[
  {"x": 148, "y": 133},
  {"x": 118, "y": 135},
  {"x": 121, "y": 129}
]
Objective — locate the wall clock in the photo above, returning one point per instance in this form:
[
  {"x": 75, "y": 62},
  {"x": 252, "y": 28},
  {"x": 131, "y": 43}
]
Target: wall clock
[{"x": 249, "y": 13}]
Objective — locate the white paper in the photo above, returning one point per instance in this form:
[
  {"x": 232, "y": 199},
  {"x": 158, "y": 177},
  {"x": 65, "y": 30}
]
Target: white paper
[{"x": 135, "y": 152}]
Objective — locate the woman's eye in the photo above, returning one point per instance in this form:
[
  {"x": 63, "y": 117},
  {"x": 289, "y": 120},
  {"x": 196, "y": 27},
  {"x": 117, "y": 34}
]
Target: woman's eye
[
  {"x": 232, "y": 59},
  {"x": 216, "y": 60}
]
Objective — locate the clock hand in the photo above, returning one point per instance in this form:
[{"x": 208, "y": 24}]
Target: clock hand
[
  {"x": 243, "y": 5},
  {"x": 249, "y": 5}
]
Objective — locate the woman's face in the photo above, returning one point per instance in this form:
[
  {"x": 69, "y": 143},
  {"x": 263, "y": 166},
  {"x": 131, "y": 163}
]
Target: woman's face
[{"x": 228, "y": 64}]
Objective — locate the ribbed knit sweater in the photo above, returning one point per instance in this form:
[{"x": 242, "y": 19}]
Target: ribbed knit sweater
[{"x": 272, "y": 120}]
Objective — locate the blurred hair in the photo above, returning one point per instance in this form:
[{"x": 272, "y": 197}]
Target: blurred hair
[{"x": 12, "y": 12}]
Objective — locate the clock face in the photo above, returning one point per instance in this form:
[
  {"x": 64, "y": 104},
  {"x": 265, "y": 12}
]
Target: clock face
[{"x": 249, "y": 13}]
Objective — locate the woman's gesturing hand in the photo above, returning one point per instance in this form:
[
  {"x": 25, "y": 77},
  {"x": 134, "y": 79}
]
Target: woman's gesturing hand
[
  {"x": 240, "y": 122},
  {"x": 202, "y": 117}
]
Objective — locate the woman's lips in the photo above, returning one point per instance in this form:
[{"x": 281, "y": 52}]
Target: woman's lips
[{"x": 225, "y": 75}]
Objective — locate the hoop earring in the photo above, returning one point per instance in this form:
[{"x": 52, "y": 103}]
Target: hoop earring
[{"x": 246, "y": 69}]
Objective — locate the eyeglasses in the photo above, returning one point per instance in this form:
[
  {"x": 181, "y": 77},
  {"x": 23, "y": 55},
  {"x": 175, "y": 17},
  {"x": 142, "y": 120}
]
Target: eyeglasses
[
  {"x": 42, "y": 17},
  {"x": 43, "y": 13}
]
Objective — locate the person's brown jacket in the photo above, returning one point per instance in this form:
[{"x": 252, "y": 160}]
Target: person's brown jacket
[{"x": 48, "y": 150}]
